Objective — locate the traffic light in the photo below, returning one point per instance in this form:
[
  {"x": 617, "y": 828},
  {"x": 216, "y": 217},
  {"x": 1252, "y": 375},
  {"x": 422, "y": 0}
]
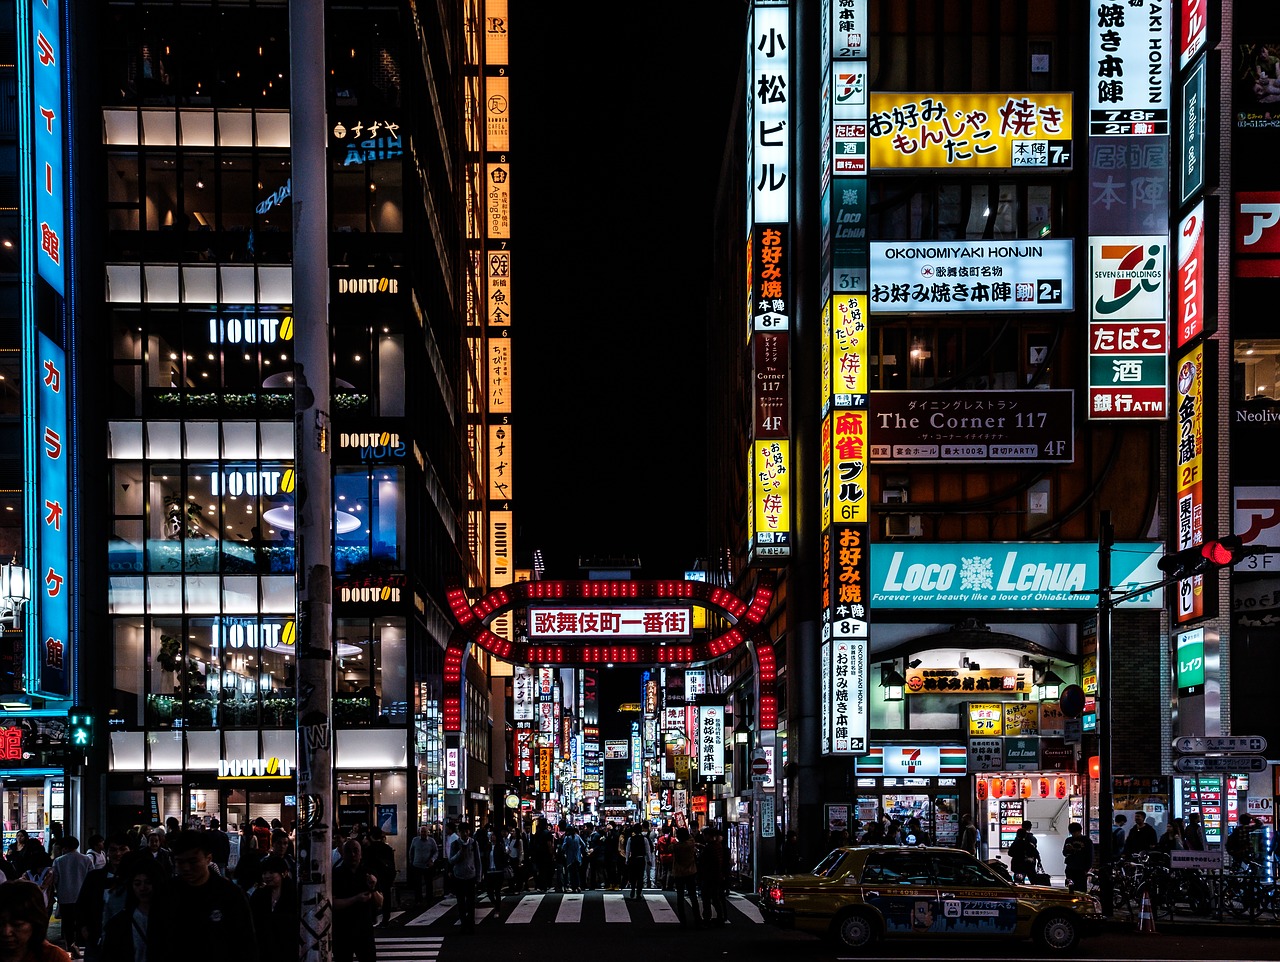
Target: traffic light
[
  {"x": 1209, "y": 556},
  {"x": 80, "y": 729}
]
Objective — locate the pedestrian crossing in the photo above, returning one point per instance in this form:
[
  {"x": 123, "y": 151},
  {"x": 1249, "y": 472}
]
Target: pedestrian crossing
[
  {"x": 572, "y": 908},
  {"x": 417, "y": 949}
]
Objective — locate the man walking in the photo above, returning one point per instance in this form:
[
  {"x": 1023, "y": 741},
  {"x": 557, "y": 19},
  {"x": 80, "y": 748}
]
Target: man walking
[
  {"x": 423, "y": 854},
  {"x": 204, "y": 913},
  {"x": 464, "y": 859}
]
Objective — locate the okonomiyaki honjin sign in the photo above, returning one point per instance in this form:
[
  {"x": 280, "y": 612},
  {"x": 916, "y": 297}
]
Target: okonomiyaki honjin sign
[{"x": 910, "y": 277}]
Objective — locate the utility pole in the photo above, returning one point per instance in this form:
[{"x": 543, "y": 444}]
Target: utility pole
[
  {"x": 313, "y": 510},
  {"x": 1106, "y": 537}
]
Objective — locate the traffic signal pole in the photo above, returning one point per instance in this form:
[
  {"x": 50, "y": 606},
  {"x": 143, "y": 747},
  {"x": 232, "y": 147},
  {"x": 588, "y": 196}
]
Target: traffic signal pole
[{"x": 1102, "y": 706}]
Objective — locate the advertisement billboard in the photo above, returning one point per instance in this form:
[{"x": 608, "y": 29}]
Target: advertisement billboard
[
  {"x": 1130, "y": 69},
  {"x": 1005, "y": 426},
  {"x": 984, "y": 276},
  {"x": 1128, "y": 330},
  {"x": 963, "y": 131}
]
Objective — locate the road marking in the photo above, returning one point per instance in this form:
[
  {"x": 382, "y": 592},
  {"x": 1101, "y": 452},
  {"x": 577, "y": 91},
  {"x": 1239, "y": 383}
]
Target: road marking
[
  {"x": 746, "y": 907},
  {"x": 570, "y": 909},
  {"x": 660, "y": 908},
  {"x": 433, "y": 913},
  {"x": 408, "y": 950},
  {"x": 615, "y": 909},
  {"x": 524, "y": 911},
  {"x": 480, "y": 915}
]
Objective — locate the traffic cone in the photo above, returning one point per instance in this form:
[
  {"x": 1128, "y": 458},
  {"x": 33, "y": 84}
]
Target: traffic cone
[{"x": 1146, "y": 917}]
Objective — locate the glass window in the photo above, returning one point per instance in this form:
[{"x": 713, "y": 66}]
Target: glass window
[
  {"x": 830, "y": 865},
  {"x": 124, "y": 191},
  {"x": 898, "y": 868},
  {"x": 1256, "y": 374},
  {"x": 128, "y": 661},
  {"x": 391, "y": 387},
  {"x": 170, "y": 518},
  {"x": 237, "y": 207},
  {"x": 370, "y": 658},
  {"x": 959, "y": 869},
  {"x": 161, "y": 190}
]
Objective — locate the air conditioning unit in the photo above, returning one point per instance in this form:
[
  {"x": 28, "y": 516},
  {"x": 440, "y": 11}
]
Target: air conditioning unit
[{"x": 903, "y": 526}]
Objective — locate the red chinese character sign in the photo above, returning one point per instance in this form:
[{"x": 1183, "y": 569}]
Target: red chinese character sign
[{"x": 663, "y": 646}]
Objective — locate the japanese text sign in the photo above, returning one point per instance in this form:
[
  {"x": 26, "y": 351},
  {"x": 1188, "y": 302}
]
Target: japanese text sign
[
  {"x": 710, "y": 740},
  {"x": 986, "y": 718},
  {"x": 846, "y": 680},
  {"x": 986, "y": 276},
  {"x": 957, "y": 131},
  {"x": 43, "y": 100},
  {"x": 846, "y": 561},
  {"x": 844, "y": 351},
  {"x": 1192, "y": 276},
  {"x": 1129, "y": 67},
  {"x": 770, "y": 89},
  {"x": 609, "y": 622},
  {"x": 1009, "y": 426},
  {"x": 1128, "y": 330},
  {"x": 1189, "y": 475},
  {"x": 771, "y": 510},
  {"x": 50, "y": 662}
]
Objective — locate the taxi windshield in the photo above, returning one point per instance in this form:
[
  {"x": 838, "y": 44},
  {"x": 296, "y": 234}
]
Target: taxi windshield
[{"x": 828, "y": 866}]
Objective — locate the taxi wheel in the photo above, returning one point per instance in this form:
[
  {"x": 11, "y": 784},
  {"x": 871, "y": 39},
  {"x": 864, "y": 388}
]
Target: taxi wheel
[
  {"x": 854, "y": 930},
  {"x": 1058, "y": 931}
]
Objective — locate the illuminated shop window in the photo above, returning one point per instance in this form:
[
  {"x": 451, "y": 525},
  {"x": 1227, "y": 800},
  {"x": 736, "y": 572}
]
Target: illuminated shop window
[
  {"x": 370, "y": 518},
  {"x": 370, "y": 671}
]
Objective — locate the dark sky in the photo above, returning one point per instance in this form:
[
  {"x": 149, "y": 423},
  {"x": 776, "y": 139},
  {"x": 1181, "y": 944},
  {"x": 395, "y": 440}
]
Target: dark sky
[{"x": 619, "y": 122}]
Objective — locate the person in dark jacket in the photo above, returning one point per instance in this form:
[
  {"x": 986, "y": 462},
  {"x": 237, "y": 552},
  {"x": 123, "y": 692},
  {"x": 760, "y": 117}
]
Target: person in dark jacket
[
  {"x": 380, "y": 859},
  {"x": 494, "y": 861},
  {"x": 203, "y": 912},
  {"x": 274, "y": 905},
  {"x": 1077, "y": 856},
  {"x": 129, "y": 936},
  {"x": 713, "y": 875},
  {"x": 103, "y": 895},
  {"x": 1142, "y": 837}
]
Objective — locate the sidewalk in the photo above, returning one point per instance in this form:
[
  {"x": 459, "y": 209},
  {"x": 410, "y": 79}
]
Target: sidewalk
[{"x": 1199, "y": 925}]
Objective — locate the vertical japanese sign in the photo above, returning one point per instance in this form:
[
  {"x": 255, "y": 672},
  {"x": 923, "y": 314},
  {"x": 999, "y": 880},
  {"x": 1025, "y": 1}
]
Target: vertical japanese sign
[
  {"x": 522, "y": 693},
  {"x": 710, "y": 740},
  {"x": 546, "y": 763},
  {"x": 768, "y": 152},
  {"x": 1129, "y": 68},
  {"x": 1192, "y": 277},
  {"x": 1130, "y": 77},
  {"x": 847, "y": 684},
  {"x": 52, "y": 658},
  {"x": 1128, "y": 327},
  {"x": 844, "y": 271},
  {"x": 1189, "y": 467},
  {"x": 43, "y": 102},
  {"x": 496, "y": 96}
]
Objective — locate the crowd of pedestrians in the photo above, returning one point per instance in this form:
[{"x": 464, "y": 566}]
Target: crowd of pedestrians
[
  {"x": 135, "y": 896},
  {"x": 475, "y": 865}
]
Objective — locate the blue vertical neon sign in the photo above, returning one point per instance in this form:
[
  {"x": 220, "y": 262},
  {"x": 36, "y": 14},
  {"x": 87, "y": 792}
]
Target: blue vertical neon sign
[
  {"x": 51, "y": 666},
  {"x": 47, "y": 228}
]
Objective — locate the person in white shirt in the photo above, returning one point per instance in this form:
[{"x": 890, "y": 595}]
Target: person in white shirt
[{"x": 69, "y": 870}]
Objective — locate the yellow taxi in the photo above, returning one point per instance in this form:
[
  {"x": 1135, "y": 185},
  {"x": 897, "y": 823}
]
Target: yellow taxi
[{"x": 861, "y": 895}]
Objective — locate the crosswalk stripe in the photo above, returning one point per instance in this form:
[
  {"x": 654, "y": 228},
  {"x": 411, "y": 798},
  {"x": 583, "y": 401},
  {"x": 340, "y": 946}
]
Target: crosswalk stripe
[
  {"x": 525, "y": 910},
  {"x": 615, "y": 909},
  {"x": 433, "y": 913},
  {"x": 660, "y": 908},
  {"x": 480, "y": 915},
  {"x": 570, "y": 909},
  {"x": 746, "y": 907}
]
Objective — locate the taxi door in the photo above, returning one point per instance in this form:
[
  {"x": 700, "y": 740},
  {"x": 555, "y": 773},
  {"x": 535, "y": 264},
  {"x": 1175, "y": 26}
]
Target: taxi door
[
  {"x": 972, "y": 900},
  {"x": 898, "y": 883}
]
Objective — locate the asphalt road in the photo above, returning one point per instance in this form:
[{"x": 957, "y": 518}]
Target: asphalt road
[{"x": 604, "y": 927}]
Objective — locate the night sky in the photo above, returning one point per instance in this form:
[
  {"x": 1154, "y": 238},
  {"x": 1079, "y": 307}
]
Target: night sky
[{"x": 618, "y": 132}]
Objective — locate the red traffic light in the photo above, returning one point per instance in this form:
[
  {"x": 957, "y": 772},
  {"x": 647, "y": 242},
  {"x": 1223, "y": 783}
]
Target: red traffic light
[{"x": 1210, "y": 556}]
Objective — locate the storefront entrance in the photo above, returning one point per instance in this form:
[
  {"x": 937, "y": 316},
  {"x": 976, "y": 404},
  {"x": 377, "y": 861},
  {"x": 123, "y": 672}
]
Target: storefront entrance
[
  {"x": 32, "y": 805},
  {"x": 934, "y": 801},
  {"x": 1047, "y": 801}
]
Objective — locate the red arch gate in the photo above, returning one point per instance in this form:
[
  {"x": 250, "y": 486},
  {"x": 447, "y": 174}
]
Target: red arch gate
[{"x": 745, "y": 616}]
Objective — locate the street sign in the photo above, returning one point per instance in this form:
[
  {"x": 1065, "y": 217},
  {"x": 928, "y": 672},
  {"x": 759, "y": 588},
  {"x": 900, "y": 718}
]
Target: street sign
[
  {"x": 1195, "y": 764},
  {"x": 1198, "y": 744},
  {"x": 759, "y": 767},
  {"x": 1204, "y": 861}
]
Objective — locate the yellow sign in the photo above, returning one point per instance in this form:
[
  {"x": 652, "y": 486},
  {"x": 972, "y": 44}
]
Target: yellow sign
[
  {"x": 500, "y": 462},
  {"x": 1089, "y": 674},
  {"x": 1022, "y": 718},
  {"x": 849, "y": 466},
  {"x": 957, "y": 131},
  {"x": 969, "y": 681},
  {"x": 682, "y": 767},
  {"x": 986, "y": 718},
  {"x": 845, "y": 362},
  {"x": 544, "y": 769},
  {"x": 771, "y": 476}
]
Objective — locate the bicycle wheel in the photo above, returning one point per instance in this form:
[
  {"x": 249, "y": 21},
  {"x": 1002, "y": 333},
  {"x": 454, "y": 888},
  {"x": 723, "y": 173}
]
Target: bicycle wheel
[{"x": 1240, "y": 897}]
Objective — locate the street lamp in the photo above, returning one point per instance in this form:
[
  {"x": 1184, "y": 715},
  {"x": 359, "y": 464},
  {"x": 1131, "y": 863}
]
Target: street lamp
[
  {"x": 892, "y": 682},
  {"x": 15, "y": 592}
]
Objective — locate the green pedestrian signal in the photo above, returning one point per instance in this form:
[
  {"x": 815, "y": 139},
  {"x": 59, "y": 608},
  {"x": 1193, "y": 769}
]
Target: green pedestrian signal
[{"x": 80, "y": 725}]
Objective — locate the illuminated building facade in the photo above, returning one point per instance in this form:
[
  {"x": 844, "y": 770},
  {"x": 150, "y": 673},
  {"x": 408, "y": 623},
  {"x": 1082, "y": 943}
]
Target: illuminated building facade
[
  {"x": 187, "y": 333},
  {"x": 1007, "y": 288}
]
